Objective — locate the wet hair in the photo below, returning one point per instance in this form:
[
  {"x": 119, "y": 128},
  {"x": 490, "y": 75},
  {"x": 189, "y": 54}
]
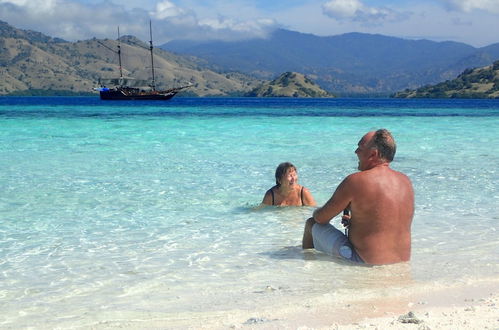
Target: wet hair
[
  {"x": 281, "y": 170},
  {"x": 384, "y": 142}
]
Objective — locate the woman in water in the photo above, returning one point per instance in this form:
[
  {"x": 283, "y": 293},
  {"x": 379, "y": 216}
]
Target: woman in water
[{"x": 287, "y": 191}]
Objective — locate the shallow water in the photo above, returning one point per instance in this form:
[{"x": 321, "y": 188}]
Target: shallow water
[{"x": 112, "y": 208}]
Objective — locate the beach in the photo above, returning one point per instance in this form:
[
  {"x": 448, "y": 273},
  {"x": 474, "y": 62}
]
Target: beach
[
  {"x": 119, "y": 215},
  {"x": 455, "y": 307}
]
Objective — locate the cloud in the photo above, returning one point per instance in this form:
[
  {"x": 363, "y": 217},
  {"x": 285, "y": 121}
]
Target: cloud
[
  {"x": 42, "y": 5},
  {"x": 71, "y": 20},
  {"x": 355, "y": 10},
  {"x": 167, "y": 9},
  {"x": 238, "y": 29},
  {"x": 471, "y": 5},
  {"x": 66, "y": 19}
]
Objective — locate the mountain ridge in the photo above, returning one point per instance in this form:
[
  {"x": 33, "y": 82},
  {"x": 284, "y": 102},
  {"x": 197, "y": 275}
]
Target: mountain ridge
[
  {"x": 346, "y": 63},
  {"x": 351, "y": 64}
]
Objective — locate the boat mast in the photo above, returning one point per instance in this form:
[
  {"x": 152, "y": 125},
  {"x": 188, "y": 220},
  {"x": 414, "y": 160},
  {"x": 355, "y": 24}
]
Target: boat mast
[
  {"x": 119, "y": 53},
  {"x": 153, "y": 85}
]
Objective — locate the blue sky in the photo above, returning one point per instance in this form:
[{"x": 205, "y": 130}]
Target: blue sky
[{"x": 474, "y": 22}]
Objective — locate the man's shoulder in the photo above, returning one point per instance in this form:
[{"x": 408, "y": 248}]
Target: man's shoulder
[
  {"x": 401, "y": 175},
  {"x": 361, "y": 175},
  {"x": 374, "y": 173},
  {"x": 355, "y": 179}
]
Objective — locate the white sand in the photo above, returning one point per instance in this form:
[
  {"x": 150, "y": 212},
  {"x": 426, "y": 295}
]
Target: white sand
[{"x": 460, "y": 306}]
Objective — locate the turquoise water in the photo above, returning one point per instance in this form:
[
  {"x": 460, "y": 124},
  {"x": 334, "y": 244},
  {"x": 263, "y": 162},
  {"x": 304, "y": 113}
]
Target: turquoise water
[{"x": 111, "y": 209}]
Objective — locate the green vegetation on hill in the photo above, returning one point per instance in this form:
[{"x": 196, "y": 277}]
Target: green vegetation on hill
[
  {"x": 472, "y": 83},
  {"x": 289, "y": 84}
]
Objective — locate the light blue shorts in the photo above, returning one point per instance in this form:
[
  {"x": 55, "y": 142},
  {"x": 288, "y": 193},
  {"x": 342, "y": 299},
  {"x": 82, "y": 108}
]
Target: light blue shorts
[{"x": 330, "y": 240}]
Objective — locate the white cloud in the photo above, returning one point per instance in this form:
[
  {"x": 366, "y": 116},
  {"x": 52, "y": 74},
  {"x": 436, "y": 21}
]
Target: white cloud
[
  {"x": 167, "y": 9},
  {"x": 471, "y": 5},
  {"x": 71, "y": 20},
  {"x": 42, "y": 7},
  {"x": 258, "y": 27},
  {"x": 355, "y": 10},
  {"x": 64, "y": 19},
  {"x": 33, "y": 3},
  {"x": 469, "y": 21},
  {"x": 343, "y": 8}
]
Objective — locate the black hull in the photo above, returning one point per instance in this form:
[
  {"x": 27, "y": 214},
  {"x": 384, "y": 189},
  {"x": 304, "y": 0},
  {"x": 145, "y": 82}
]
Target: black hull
[
  {"x": 120, "y": 95},
  {"x": 126, "y": 89}
]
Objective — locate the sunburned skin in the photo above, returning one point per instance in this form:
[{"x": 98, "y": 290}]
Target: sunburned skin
[
  {"x": 288, "y": 192},
  {"x": 381, "y": 202}
]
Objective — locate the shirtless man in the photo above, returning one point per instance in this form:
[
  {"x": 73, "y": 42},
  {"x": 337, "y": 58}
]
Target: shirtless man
[{"x": 381, "y": 202}]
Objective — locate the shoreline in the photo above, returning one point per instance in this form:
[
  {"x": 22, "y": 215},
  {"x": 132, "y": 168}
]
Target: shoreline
[{"x": 463, "y": 306}]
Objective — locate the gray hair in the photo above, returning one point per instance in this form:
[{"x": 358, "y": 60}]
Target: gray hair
[{"x": 384, "y": 142}]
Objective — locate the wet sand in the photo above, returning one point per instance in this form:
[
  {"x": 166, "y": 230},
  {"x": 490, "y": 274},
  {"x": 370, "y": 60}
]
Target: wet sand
[{"x": 459, "y": 306}]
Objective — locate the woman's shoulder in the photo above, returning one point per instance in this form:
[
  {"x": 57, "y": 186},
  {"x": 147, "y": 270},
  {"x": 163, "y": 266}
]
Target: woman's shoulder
[{"x": 272, "y": 189}]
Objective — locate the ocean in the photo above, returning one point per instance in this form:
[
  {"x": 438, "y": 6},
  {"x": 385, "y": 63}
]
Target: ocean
[{"x": 126, "y": 211}]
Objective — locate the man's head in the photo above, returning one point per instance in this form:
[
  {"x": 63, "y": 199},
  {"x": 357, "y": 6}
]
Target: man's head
[
  {"x": 385, "y": 144},
  {"x": 375, "y": 148}
]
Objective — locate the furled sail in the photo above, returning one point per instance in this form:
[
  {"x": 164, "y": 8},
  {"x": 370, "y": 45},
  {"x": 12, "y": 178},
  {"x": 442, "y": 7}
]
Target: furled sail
[{"x": 125, "y": 82}]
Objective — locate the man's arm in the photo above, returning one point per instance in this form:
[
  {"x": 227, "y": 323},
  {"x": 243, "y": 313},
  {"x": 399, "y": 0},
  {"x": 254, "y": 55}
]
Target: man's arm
[{"x": 337, "y": 203}]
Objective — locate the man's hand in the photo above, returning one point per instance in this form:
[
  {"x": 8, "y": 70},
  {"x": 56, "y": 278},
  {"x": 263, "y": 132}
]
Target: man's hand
[{"x": 345, "y": 218}]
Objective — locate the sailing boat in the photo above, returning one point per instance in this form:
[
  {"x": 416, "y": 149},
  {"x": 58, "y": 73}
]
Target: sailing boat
[{"x": 132, "y": 89}]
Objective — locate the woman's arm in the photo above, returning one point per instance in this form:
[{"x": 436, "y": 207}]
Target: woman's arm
[{"x": 308, "y": 199}]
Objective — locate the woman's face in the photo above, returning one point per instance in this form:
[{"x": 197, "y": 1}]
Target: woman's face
[{"x": 290, "y": 177}]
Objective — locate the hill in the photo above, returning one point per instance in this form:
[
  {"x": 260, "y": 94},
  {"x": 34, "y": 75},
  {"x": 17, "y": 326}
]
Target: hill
[
  {"x": 289, "y": 84},
  {"x": 31, "y": 61},
  {"x": 352, "y": 63},
  {"x": 472, "y": 83}
]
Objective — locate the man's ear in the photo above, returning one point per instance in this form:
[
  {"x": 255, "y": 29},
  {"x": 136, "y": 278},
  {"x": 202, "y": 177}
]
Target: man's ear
[{"x": 373, "y": 153}]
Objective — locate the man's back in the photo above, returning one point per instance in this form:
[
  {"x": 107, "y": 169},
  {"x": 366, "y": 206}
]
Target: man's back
[
  {"x": 382, "y": 207},
  {"x": 382, "y": 204}
]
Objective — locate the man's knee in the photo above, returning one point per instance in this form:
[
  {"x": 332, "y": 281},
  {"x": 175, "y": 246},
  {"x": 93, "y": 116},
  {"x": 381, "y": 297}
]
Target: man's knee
[
  {"x": 308, "y": 241},
  {"x": 309, "y": 224},
  {"x": 310, "y": 221}
]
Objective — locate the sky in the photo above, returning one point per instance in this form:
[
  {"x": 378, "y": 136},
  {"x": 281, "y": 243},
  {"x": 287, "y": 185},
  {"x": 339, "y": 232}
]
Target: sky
[{"x": 474, "y": 22}]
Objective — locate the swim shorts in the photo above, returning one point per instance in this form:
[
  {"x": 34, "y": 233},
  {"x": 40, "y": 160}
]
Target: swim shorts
[{"x": 330, "y": 240}]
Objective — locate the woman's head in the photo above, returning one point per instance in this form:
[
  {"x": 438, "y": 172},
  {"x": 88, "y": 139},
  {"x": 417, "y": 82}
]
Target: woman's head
[{"x": 284, "y": 169}]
